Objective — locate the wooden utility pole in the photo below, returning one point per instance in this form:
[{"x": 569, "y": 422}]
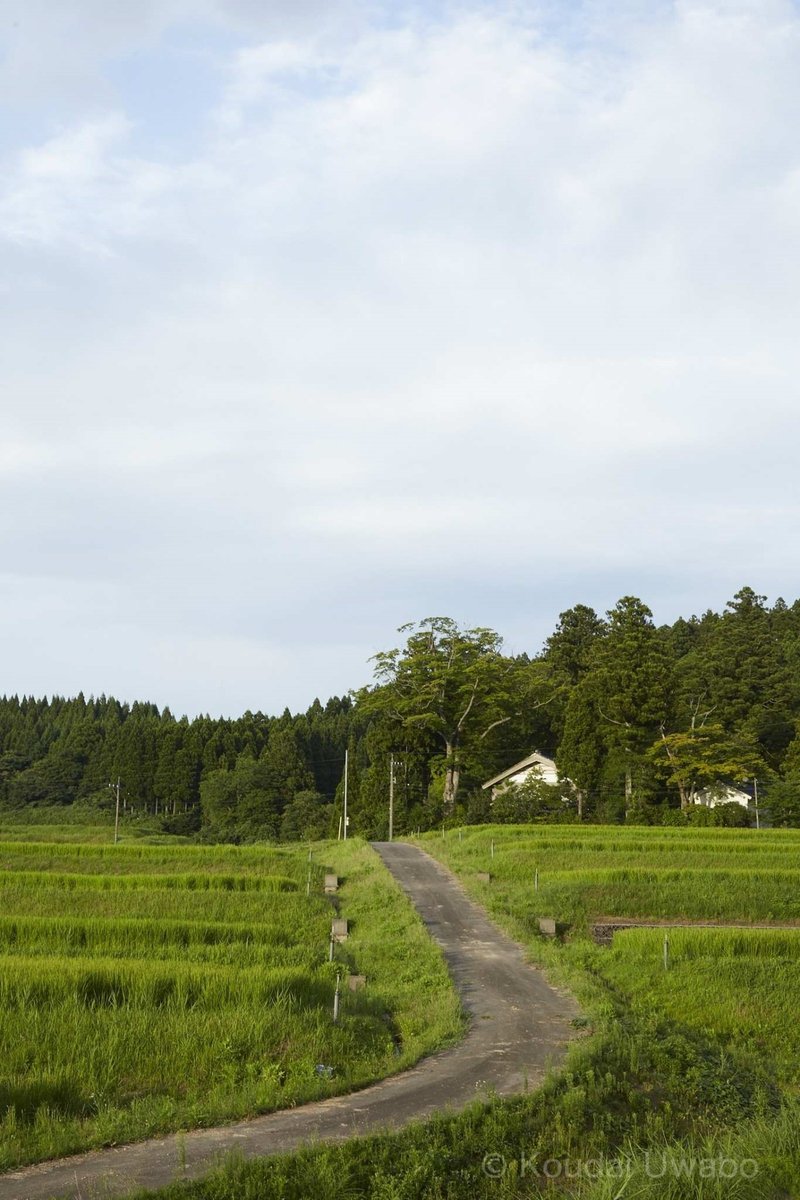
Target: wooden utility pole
[
  {"x": 391, "y": 797},
  {"x": 344, "y": 822}
]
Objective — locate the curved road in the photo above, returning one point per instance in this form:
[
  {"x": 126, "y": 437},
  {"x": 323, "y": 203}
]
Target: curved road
[{"x": 518, "y": 1028}]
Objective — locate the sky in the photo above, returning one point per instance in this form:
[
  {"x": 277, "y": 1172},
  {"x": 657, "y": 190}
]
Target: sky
[{"x": 323, "y": 316}]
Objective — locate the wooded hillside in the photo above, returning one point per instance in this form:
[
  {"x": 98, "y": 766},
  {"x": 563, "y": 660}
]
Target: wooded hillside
[{"x": 638, "y": 717}]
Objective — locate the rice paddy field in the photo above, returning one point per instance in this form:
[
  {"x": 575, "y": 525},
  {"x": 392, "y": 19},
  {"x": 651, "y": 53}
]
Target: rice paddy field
[
  {"x": 686, "y": 1082},
  {"x": 145, "y": 988},
  {"x": 600, "y": 871},
  {"x": 684, "y": 1085},
  {"x": 727, "y": 900}
]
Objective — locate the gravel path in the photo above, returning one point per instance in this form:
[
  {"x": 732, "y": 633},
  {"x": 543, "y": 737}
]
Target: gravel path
[{"x": 519, "y": 1026}]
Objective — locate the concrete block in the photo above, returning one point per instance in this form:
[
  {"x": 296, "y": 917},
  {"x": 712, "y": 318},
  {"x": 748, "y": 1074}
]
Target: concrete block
[
  {"x": 331, "y": 884},
  {"x": 339, "y": 930},
  {"x": 552, "y": 928}
]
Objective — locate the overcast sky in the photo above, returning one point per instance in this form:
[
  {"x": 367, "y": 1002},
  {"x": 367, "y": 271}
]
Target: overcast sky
[{"x": 319, "y": 316}]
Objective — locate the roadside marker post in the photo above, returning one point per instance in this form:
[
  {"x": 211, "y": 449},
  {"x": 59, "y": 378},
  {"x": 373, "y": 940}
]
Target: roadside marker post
[{"x": 336, "y": 1000}]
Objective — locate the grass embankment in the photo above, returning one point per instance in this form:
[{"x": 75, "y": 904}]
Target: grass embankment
[
  {"x": 686, "y": 1088},
  {"x": 144, "y": 989}
]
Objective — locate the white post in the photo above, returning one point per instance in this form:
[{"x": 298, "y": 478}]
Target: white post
[
  {"x": 666, "y": 952},
  {"x": 115, "y": 789},
  {"x": 336, "y": 1001},
  {"x": 755, "y": 795}
]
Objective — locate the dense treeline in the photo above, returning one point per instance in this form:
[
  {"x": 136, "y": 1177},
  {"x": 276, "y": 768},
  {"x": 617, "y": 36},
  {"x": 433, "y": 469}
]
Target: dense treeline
[
  {"x": 245, "y": 776},
  {"x": 640, "y": 719}
]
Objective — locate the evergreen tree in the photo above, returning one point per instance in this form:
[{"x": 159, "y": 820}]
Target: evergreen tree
[{"x": 629, "y": 680}]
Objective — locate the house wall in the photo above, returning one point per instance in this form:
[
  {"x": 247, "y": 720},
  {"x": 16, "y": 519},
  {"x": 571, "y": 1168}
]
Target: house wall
[
  {"x": 545, "y": 771},
  {"x": 542, "y": 771},
  {"x": 727, "y": 795}
]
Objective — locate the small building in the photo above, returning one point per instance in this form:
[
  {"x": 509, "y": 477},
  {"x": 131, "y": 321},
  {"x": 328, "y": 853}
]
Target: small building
[
  {"x": 536, "y": 765},
  {"x": 725, "y": 793}
]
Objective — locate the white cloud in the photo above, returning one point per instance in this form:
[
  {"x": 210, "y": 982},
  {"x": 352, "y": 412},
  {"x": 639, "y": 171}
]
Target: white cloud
[{"x": 449, "y": 313}]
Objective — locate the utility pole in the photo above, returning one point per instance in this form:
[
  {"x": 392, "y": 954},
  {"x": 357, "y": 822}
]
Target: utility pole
[
  {"x": 755, "y": 797},
  {"x": 344, "y": 822},
  {"x": 115, "y": 789},
  {"x": 391, "y": 797}
]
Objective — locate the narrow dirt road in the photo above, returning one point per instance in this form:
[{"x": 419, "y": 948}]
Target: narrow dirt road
[{"x": 518, "y": 1027}]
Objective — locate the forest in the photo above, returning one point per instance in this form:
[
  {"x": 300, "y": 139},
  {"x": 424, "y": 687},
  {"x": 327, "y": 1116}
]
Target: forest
[{"x": 638, "y": 717}]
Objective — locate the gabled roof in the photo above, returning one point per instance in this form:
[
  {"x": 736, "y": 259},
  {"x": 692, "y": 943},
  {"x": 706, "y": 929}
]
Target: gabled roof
[
  {"x": 726, "y": 785},
  {"x": 533, "y": 760}
]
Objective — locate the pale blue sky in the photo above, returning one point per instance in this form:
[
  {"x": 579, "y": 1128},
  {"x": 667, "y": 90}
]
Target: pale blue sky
[{"x": 322, "y": 317}]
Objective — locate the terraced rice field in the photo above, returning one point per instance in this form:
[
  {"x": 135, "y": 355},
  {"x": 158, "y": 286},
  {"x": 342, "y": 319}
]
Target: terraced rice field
[
  {"x": 690, "y": 874},
  {"x": 739, "y": 986},
  {"x": 146, "y": 988},
  {"x": 686, "y": 1084}
]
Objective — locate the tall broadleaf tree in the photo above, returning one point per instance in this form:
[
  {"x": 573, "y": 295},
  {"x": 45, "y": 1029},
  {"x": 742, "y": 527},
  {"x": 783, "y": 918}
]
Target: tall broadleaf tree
[
  {"x": 451, "y": 684},
  {"x": 704, "y": 757}
]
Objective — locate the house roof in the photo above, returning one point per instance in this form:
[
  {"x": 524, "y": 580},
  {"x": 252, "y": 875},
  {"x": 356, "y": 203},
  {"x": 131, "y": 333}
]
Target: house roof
[
  {"x": 533, "y": 760},
  {"x": 725, "y": 785}
]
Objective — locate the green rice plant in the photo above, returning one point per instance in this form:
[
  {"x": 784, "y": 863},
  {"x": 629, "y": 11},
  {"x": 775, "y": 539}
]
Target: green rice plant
[
  {"x": 714, "y": 944},
  {"x": 161, "y": 989},
  {"x": 155, "y": 902},
  {"x": 739, "y": 986},
  {"x": 118, "y": 883},
  {"x": 723, "y": 874},
  {"x": 45, "y": 856},
  {"x": 233, "y": 943},
  {"x": 697, "y": 1063}
]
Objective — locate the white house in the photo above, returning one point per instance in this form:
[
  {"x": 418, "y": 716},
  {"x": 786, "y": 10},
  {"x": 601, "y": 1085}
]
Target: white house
[
  {"x": 723, "y": 793},
  {"x": 535, "y": 765}
]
